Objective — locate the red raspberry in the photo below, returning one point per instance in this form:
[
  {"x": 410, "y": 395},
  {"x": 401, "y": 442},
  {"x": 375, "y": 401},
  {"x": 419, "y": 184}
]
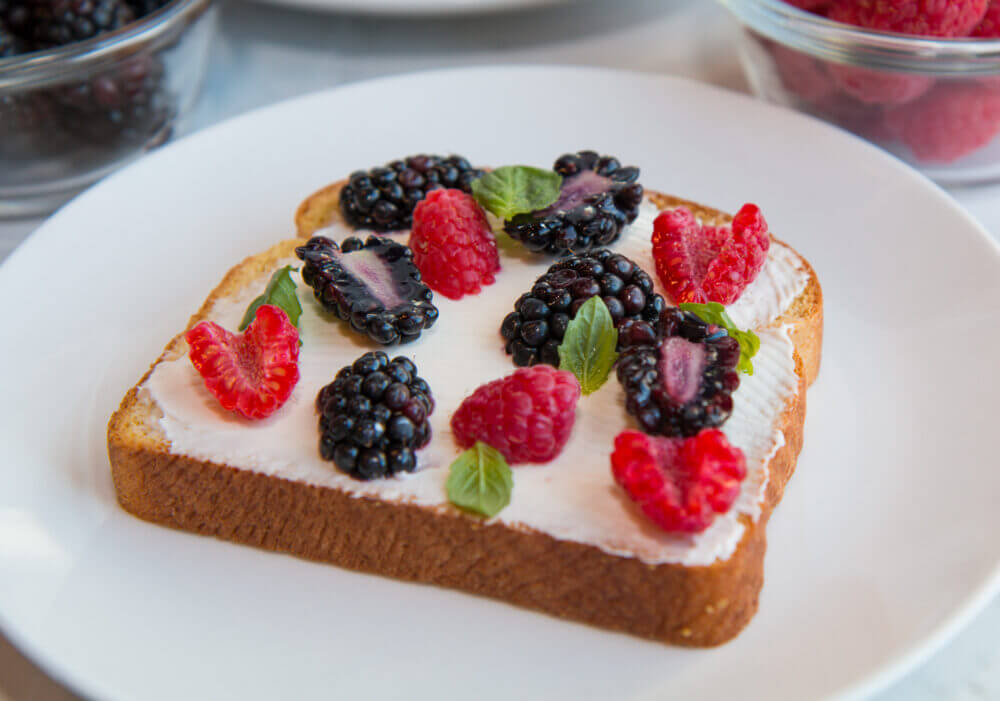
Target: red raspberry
[
  {"x": 801, "y": 74},
  {"x": 702, "y": 264},
  {"x": 989, "y": 26},
  {"x": 951, "y": 121},
  {"x": 810, "y": 5},
  {"x": 453, "y": 244},
  {"x": 527, "y": 415},
  {"x": 680, "y": 484},
  {"x": 879, "y": 87},
  {"x": 252, "y": 373},
  {"x": 936, "y": 18}
]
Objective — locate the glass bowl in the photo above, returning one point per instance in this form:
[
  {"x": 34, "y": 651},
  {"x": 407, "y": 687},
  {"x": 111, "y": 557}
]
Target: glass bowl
[
  {"x": 72, "y": 114},
  {"x": 935, "y": 103}
]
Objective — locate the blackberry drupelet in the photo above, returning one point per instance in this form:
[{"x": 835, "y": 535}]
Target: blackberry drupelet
[
  {"x": 374, "y": 285},
  {"x": 10, "y": 44},
  {"x": 141, "y": 8},
  {"x": 373, "y": 417},
  {"x": 534, "y": 330},
  {"x": 679, "y": 374},
  {"x": 599, "y": 198},
  {"x": 48, "y": 23},
  {"x": 383, "y": 198}
]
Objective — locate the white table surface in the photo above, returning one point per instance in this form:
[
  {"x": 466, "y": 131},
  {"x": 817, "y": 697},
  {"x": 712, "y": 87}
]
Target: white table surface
[{"x": 265, "y": 54}]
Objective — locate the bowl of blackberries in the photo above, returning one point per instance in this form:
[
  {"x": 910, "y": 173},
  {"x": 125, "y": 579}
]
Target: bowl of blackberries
[{"x": 88, "y": 85}]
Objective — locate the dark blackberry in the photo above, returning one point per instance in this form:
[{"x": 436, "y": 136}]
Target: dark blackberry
[
  {"x": 599, "y": 198},
  {"x": 10, "y": 44},
  {"x": 141, "y": 8},
  {"x": 373, "y": 417},
  {"x": 383, "y": 198},
  {"x": 49, "y": 23},
  {"x": 374, "y": 285},
  {"x": 679, "y": 374},
  {"x": 534, "y": 330}
]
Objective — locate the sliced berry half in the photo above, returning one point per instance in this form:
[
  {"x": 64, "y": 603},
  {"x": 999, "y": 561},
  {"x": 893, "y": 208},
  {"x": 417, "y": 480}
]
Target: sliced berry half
[
  {"x": 680, "y": 484},
  {"x": 679, "y": 374},
  {"x": 599, "y": 197},
  {"x": 383, "y": 198},
  {"x": 252, "y": 373},
  {"x": 534, "y": 330},
  {"x": 373, "y": 417},
  {"x": 374, "y": 285}
]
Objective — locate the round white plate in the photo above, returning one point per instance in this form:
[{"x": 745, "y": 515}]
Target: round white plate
[
  {"x": 884, "y": 545},
  {"x": 413, "y": 7}
]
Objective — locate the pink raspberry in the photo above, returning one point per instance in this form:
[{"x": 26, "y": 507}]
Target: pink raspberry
[
  {"x": 680, "y": 484},
  {"x": 936, "y": 18},
  {"x": 801, "y": 74},
  {"x": 810, "y": 5},
  {"x": 527, "y": 415},
  {"x": 951, "y": 121},
  {"x": 453, "y": 245},
  {"x": 701, "y": 264},
  {"x": 989, "y": 26},
  {"x": 879, "y": 87}
]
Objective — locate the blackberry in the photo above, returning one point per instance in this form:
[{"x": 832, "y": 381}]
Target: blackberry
[
  {"x": 141, "y": 8},
  {"x": 383, "y": 198},
  {"x": 374, "y": 285},
  {"x": 10, "y": 44},
  {"x": 599, "y": 198},
  {"x": 49, "y": 23},
  {"x": 534, "y": 330},
  {"x": 679, "y": 374},
  {"x": 373, "y": 417}
]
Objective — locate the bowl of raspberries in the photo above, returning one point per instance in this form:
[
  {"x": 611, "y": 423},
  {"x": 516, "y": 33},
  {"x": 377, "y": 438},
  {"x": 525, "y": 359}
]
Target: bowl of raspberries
[
  {"x": 920, "y": 78},
  {"x": 87, "y": 85}
]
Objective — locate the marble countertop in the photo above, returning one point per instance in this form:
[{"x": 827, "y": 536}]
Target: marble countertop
[{"x": 264, "y": 54}]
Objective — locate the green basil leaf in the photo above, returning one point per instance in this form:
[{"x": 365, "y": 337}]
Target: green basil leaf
[
  {"x": 588, "y": 347},
  {"x": 513, "y": 190},
  {"x": 480, "y": 481},
  {"x": 715, "y": 313},
  {"x": 280, "y": 291}
]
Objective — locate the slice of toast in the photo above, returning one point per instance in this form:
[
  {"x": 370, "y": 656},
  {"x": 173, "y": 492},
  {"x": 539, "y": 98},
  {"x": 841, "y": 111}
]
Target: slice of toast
[{"x": 700, "y": 605}]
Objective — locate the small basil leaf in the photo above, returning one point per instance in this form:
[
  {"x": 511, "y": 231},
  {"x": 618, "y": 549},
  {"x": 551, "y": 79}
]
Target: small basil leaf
[
  {"x": 513, "y": 190},
  {"x": 480, "y": 481},
  {"x": 588, "y": 347},
  {"x": 715, "y": 313},
  {"x": 280, "y": 291}
]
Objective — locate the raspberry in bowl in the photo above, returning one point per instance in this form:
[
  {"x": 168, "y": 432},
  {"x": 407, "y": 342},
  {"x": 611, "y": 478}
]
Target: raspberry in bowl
[
  {"x": 920, "y": 79},
  {"x": 88, "y": 85}
]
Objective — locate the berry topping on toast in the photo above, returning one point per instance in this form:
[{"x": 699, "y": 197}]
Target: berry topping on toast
[
  {"x": 252, "y": 373},
  {"x": 453, "y": 244},
  {"x": 680, "y": 484},
  {"x": 374, "y": 285},
  {"x": 526, "y": 416},
  {"x": 700, "y": 263},
  {"x": 373, "y": 417},
  {"x": 533, "y": 331},
  {"x": 383, "y": 198},
  {"x": 679, "y": 374},
  {"x": 598, "y": 198}
]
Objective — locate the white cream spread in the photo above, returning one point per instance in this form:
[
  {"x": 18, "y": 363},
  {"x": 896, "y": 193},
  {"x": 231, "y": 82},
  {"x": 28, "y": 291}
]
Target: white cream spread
[{"x": 573, "y": 498}]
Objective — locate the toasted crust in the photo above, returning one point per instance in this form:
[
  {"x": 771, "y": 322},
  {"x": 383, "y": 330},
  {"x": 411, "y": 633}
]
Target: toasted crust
[
  {"x": 320, "y": 209},
  {"x": 691, "y": 606}
]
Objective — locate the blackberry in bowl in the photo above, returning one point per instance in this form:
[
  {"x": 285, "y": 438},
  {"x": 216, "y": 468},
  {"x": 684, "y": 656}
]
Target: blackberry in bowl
[
  {"x": 599, "y": 197},
  {"x": 88, "y": 85},
  {"x": 533, "y": 331}
]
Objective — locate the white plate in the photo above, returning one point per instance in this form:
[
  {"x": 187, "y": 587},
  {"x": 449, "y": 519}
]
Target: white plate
[
  {"x": 412, "y": 7},
  {"x": 884, "y": 545}
]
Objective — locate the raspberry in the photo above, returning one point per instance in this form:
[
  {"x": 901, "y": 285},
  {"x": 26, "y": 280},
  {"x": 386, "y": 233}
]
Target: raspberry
[
  {"x": 453, "y": 245},
  {"x": 950, "y": 122},
  {"x": 679, "y": 484},
  {"x": 699, "y": 263},
  {"x": 937, "y": 18},
  {"x": 252, "y": 373},
  {"x": 527, "y": 415},
  {"x": 989, "y": 26},
  {"x": 801, "y": 74},
  {"x": 879, "y": 87},
  {"x": 810, "y": 5}
]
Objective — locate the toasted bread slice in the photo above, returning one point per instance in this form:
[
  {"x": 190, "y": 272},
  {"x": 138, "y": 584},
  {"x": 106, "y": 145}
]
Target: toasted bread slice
[{"x": 701, "y": 605}]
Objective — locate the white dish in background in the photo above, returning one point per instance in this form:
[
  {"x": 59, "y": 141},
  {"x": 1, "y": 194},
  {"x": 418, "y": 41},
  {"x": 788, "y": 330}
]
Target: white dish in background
[
  {"x": 413, "y": 7},
  {"x": 882, "y": 548}
]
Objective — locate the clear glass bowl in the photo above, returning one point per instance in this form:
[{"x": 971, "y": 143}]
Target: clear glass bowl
[
  {"x": 70, "y": 115},
  {"x": 935, "y": 103}
]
